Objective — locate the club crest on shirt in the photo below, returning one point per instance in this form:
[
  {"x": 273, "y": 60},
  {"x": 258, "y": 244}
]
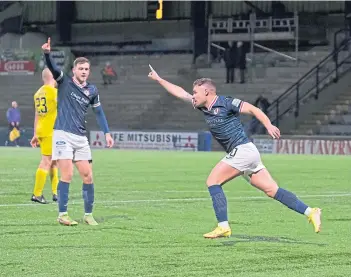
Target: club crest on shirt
[
  {"x": 86, "y": 92},
  {"x": 216, "y": 111}
]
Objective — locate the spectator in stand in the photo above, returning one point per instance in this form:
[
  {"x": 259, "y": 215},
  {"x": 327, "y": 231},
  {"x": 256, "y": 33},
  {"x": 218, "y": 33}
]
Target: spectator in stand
[
  {"x": 262, "y": 103},
  {"x": 108, "y": 74},
  {"x": 278, "y": 9},
  {"x": 255, "y": 127},
  {"x": 230, "y": 61},
  {"x": 241, "y": 58},
  {"x": 13, "y": 115}
]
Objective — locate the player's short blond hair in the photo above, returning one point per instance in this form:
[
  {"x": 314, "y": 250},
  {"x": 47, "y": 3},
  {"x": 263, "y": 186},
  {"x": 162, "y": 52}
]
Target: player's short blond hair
[
  {"x": 80, "y": 60},
  {"x": 204, "y": 81}
]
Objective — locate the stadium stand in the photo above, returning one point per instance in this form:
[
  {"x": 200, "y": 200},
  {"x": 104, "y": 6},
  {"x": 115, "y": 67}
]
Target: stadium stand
[
  {"x": 133, "y": 97},
  {"x": 133, "y": 102},
  {"x": 334, "y": 119}
]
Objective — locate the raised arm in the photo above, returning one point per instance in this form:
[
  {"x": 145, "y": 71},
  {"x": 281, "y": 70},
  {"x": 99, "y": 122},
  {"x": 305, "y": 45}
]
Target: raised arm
[
  {"x": 171, "y": 88},
  {"x": 247, "y": 108},
  {"x": 56, "y": 72}
]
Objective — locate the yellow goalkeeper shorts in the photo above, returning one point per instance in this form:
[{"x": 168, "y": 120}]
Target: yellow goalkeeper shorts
[{"x": 45, "y": 146}]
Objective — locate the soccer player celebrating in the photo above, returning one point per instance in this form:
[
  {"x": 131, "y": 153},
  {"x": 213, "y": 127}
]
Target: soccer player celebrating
[
  {"x": 70, "y": 143},
  {"x": 45, "y": 101},
  {"x": 222, "y": 116}
]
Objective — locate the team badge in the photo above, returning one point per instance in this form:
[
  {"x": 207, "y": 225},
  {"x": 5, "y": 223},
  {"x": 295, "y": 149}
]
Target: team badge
[
  {"x": 216, "y": 111},
  {"x": 86, "y": 92}
]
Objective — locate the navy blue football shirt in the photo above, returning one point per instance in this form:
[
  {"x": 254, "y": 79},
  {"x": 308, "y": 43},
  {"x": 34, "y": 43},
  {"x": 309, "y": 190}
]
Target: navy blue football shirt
[
  {"x": 223, "y": 119},
  {"x": 73, "y": 101}
]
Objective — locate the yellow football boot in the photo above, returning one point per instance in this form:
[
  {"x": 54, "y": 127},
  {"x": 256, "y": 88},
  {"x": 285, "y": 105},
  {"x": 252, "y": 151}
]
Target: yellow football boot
[
  {"x": 66, "y": 220},
  {"x": 89, "y": 219},
  {"x": 219, "y": 232},
  {"x": 315, "y": 219}
]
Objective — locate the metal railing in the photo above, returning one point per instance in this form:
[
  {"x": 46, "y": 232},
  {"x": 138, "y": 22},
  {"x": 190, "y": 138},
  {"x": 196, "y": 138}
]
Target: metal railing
[
  {"x": 346, "y": 34},
  {"x": 253, "y": 30},
  {"x": 310, "y": 84},
  {"x": 223, "y": 49}
]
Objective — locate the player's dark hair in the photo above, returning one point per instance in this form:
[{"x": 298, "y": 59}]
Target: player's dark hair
[
  {"x": 80, "y": 60},
  {"x": 204, "y": 81}
]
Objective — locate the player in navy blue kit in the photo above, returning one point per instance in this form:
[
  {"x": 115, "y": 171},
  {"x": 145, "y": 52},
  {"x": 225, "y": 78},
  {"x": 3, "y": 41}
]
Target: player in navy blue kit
[
  {"x": 222, "y": 114},
  {"x": 70, "y": 143}
]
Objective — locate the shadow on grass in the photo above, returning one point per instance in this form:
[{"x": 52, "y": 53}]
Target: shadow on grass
[
  {"x": 238, "y": 238},
  {"x": 101, "y": 219}
]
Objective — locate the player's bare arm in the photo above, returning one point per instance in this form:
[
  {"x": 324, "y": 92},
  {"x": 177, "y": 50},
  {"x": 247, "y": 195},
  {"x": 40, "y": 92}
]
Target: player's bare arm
[
  {"x": 173, "y": 89},
  {"x": 249, "y": 109},
  {"x": 34, "y": 141},
  {"x": 56, "y": 72}
]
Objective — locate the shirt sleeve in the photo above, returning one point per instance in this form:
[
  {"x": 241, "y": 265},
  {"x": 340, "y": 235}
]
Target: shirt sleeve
[
  {"x": 56, "y": 72},
  {"x": 95, "y": 101},
  {"x": 234, "y": 104},
  {"x": 100, "y": 115}
]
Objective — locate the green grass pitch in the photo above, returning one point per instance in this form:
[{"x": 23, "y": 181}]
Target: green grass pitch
[{"x": 153, "y": 208}]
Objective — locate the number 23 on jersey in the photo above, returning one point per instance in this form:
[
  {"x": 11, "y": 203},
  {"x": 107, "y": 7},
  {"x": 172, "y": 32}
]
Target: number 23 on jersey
[{"x": 40, "y": 103}]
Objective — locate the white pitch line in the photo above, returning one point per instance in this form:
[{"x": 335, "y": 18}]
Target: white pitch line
[{"x": 178, "y": 200}]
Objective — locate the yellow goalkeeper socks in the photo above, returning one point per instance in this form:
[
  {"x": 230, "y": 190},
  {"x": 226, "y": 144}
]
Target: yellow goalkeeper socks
[
  {"x": 54, "y": 180},
  {"x": 40, "y": 179}
]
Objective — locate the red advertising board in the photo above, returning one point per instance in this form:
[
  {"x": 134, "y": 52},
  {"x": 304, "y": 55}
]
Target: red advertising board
[
  {"x": 17, "y": 67},
  {"x": 315, "y": 147},
  {"x": 309, "y": 146}
]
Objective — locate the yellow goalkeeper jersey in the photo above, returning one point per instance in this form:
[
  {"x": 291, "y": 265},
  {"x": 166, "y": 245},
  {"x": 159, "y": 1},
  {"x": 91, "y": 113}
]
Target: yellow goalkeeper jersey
[{"x": 45, "y": 101}]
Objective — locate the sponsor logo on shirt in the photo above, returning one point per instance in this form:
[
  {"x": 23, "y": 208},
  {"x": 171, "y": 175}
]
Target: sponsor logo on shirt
[{"x": 79, "y": 99}]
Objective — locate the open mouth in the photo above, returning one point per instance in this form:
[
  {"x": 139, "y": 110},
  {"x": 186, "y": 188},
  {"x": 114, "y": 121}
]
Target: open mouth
[{"x": 194, "y": 103}]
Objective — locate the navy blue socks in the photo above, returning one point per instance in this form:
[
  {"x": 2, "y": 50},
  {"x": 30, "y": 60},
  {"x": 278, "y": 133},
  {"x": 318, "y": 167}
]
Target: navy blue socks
[
  {"x": 88, "y": 196},
  {"x": 290, "y": 200},
  {"x": 62, "y": 195},
  {"x": 219, "y": 202}
]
